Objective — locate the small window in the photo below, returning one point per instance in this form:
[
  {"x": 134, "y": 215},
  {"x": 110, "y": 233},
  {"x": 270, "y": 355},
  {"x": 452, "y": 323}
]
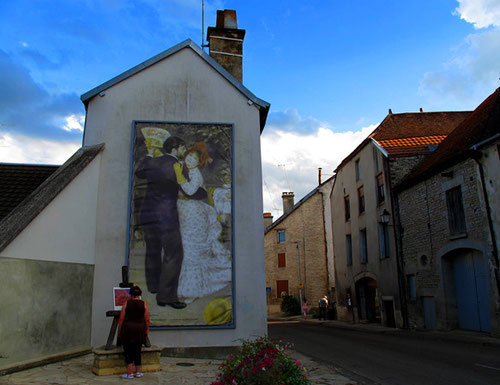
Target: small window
[
  {"x": 375, "y": 159},
  {"x": 358, "y": 170},
  {"x": 348, "y": 249},
  {"x": 347, "y": 208},
  {"x": 412, "y": 288},
  {"x": 383, "y": 240},
  {"x": 281, "y": 236},
  {"x": 281, "y": 259},
  {"x": 456, "y": 215},
  {"x": 281, "y": 288},
  {"x": 363, "y": 246},
  {"x": 380, "y": 188},
  {"x": 361, "y": 199}
]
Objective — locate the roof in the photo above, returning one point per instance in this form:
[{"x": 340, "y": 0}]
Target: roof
[
  {"x": 19, "y": 181},
  {"x": 296, "y": 206},
  {"x": 15, "y": 222},
  {"x": 481, "y": 125},
  {"x": 411, "y": 133},
  {"x": 262, "y": 105}
]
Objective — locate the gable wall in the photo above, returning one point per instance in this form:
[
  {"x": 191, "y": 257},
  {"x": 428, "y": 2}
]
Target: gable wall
[{"x": 181, "y": 88}]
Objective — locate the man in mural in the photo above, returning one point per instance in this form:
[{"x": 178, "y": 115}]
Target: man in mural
[{"x": 159, "y": 220}]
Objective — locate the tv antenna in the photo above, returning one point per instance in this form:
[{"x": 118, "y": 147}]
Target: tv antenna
[{"x": 203, "y": 45}]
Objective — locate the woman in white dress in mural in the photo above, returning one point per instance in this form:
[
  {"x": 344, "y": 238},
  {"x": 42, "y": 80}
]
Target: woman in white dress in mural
[{"x": 206, "y": 267}]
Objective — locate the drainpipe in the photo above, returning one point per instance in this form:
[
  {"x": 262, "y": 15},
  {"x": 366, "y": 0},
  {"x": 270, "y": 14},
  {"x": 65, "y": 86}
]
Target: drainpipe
[
  {"x": 476, "y": 155},
  {"x": 399, "y": 247}
]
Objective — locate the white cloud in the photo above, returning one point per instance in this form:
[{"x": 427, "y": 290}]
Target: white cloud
[
  {"x": 25, "y": 149},
  {"x": 471, "y": 73},
  {"x": 74, "y": 122},
  {"x": 290, "y": 161},
  {"x": 480, "y": 13}
]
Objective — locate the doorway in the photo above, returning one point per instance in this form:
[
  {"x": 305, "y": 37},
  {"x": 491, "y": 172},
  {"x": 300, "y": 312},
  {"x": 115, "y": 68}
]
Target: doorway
[{"x": 366, "y": 291}]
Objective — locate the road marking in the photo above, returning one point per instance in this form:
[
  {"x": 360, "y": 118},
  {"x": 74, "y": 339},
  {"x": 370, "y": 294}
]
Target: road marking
[
  {"x": 282, "y": 322},
  {"x": 488, "y": 367}
]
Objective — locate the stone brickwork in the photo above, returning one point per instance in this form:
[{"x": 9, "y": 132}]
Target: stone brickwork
[
  {"x": 402, "y": 166},
  {"x": 427, "y": 241},
  {"x": 304, "y": 224}
]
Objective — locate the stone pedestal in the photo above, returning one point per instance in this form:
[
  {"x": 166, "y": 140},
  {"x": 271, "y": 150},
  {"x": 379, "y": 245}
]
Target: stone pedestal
[{"x": 112, "y": 362}]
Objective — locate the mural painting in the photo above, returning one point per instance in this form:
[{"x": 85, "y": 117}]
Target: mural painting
[{"x": 180, "y": 240}]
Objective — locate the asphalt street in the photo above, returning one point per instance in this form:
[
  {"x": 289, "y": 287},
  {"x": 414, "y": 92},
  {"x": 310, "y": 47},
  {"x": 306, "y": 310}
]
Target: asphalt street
[{"x": 397, "y": 358}]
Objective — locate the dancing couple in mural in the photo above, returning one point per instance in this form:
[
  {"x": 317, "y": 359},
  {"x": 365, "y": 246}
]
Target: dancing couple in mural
[{"x": 181, "y": 219}]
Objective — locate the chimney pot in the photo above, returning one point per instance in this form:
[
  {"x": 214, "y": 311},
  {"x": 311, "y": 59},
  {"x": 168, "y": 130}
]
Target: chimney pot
[
  {"x": 421, "y": 109},
  {"x": 268, "y": 220},
  {"x": 390, "y": 111}
]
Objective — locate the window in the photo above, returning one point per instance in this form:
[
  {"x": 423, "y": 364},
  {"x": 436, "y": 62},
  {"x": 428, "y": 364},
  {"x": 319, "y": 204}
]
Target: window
[
  {"x": 358, "y": 170},
  {"x": 375, "y": 159},
  {"x": 281, "y": 236},
  {"x": 380, "y": 188},
  {"x": 456, "y": 215},
  {"x": 412, "y": 289},
  {"x": 361, "y": 199},
  {"x": 281, "y": 287},
  {"x": 348, "y": 249},
  {"x": 281, "y": 259},
  {"x": 347, "y": 208},
  {"x": 383, "y": 240},
  {"x": 363, "y": 247}
]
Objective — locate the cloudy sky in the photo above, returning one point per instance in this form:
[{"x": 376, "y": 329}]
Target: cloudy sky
[{"x": 330, "y": 69}]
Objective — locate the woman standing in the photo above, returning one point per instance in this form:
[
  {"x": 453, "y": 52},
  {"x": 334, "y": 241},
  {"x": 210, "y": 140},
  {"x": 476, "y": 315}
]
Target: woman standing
[{"x": 133, "y": 327}]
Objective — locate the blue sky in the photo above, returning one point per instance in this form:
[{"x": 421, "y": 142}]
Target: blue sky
[{"x": 330, "y": 69}]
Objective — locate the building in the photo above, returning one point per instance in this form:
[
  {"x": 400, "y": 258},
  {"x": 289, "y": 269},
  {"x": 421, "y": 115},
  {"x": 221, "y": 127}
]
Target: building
[
  {"x": 449, "y": 215},
  {"x": 296, "y": 249},
  {"x": 62, "y": 250},
  {"x": 367, "y": 269}
]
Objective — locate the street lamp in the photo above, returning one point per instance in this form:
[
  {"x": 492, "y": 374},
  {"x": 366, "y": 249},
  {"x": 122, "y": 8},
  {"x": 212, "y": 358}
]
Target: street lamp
[{"x": 385, "y": 217}]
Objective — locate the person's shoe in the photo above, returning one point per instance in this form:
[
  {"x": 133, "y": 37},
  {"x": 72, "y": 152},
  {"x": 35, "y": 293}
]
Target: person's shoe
[
  {"x": 139, "y": 375},
  {"x": 175, "y": 305},
  {"x": 128, "y": 376}
]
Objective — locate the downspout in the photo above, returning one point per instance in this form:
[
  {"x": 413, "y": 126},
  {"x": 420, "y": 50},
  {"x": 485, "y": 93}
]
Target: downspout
[
  {"x": 476, "y": 155},
  {"x": 324, "y": 240},
  {"x": 399, "y": 247}
]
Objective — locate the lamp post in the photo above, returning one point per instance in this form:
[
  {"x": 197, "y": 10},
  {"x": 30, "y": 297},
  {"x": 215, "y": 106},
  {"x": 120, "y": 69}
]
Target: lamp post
[{"x": 385, "y": 217}]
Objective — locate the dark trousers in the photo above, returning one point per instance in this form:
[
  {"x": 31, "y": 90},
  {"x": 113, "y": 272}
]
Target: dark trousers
[
  {"x": 162, "y": 272},
  {"x": 132, "y": 353},
  {"x": 322, "y": 313}
]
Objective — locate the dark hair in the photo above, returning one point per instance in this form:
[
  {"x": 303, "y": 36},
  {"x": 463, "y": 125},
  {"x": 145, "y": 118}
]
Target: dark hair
[
  {"x": 135, "y": 291},
  {"x": 173, "y": 142}
]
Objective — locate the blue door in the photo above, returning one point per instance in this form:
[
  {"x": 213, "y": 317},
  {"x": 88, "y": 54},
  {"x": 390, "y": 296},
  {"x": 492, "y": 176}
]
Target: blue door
[{"x": 471, "y": 283}]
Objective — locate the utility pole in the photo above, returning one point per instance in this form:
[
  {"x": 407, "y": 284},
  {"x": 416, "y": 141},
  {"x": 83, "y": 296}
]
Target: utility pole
[{"x": 300, "y": 275}]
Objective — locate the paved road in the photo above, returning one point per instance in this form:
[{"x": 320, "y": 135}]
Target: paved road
[{"x": 394, "y": 358}]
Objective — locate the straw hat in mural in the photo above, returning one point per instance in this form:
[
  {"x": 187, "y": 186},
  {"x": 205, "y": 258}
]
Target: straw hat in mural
[{"x": 154, "y": 137}]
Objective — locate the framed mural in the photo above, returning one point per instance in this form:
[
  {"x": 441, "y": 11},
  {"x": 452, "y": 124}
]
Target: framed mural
[{"x": 180, "y": 246}]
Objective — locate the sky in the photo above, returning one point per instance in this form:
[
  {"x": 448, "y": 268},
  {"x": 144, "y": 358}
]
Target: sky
[{"x": 330, "y": 69}]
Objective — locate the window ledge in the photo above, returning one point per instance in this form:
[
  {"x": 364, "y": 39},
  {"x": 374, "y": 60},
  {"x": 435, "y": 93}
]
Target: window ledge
[{"x": 458, "y": 236}]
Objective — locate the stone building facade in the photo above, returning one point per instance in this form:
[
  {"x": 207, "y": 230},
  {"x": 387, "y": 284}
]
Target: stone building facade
[
  {"x": 296, "y": 251},
  {"x": 449, "y": 241},
  {"x": 368, "y": 272}
]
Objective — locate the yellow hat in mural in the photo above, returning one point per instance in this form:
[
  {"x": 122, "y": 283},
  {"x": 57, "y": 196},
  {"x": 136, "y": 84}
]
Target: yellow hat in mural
[
  {"x": 218, "y": 312},
  {"x": 154, "y": 136}
]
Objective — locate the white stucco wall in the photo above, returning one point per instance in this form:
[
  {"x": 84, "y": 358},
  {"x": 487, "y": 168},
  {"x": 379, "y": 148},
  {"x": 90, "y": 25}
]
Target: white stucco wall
[
  {"x": 65, "y": 230},
  {"x": 180, "y": 88}
]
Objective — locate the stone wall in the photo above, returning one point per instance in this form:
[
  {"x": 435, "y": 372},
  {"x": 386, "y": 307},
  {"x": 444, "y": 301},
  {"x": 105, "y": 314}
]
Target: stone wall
[
  {"x": 46, "y": 311},
  {"x": 305, "y": 225}
]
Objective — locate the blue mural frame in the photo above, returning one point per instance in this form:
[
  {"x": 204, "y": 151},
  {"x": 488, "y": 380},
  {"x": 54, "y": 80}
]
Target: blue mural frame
[{"x": 231, "y": 325}]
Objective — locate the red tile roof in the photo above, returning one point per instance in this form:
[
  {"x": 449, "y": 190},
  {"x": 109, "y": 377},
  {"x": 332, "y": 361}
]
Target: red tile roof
[
  {"x": 482, "y": 124},
  {"x": 410, "y": 146},
  {"x": 17, "y": 181}
]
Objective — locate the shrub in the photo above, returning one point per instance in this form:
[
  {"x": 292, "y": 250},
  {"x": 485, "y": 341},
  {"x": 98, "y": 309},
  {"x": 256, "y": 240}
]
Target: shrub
[
  {"x": 261, "y": 362},
  {"x": 290, "y": 305}
]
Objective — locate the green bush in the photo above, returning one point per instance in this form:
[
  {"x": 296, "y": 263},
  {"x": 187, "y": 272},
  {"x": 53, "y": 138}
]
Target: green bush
[
  {"x": 261, "y": 362},
  {"x": 290, "y": 305}
]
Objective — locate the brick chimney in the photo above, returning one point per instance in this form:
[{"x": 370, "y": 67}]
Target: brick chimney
[
  {"x": 287, "y": 201},
  {"x": 226, "y": 43},
  {"x": 268, "y": 220}
]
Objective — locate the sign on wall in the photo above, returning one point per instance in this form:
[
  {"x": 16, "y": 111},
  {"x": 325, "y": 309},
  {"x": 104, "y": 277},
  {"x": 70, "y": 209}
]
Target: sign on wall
[{"x": 180, "y": 233}]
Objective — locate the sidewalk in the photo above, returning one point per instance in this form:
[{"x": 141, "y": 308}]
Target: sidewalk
[
  {"x": 202, "y": 372},
  {"x": 451, "y": 335}
]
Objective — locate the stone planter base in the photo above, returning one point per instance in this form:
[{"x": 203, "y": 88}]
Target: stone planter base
[{"x": 112, "y": 362}]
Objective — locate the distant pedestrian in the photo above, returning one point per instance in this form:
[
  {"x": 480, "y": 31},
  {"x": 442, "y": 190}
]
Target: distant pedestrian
[
  {"x": 133, "y": 329},
  {"x": 323, "y": 305},
  {"x": 304, "y": 308}
]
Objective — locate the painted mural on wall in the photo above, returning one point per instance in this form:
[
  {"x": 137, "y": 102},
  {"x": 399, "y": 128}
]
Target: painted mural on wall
[{"x": 180, "y": 243}]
